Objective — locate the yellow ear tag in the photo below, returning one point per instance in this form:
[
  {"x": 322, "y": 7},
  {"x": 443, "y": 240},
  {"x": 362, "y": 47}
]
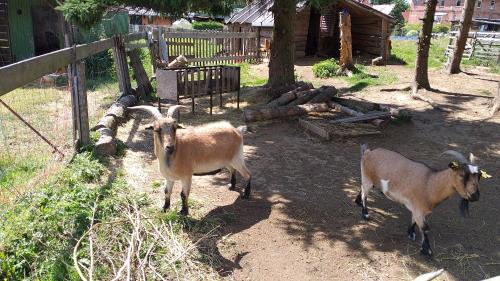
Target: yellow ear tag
[
  {"x": 485, "y": 175},
  {"x": 454, "y": 165}
]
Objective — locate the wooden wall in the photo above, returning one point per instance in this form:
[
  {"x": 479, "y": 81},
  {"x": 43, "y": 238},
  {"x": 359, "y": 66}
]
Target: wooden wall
[
  {"x": 370, "y": 35},
  {"x": 301, "y": 30}
]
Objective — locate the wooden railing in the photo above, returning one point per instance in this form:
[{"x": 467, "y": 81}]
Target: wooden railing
[
  {"x": 212, "y": 47},
  {"x": 480, "y": 45}
]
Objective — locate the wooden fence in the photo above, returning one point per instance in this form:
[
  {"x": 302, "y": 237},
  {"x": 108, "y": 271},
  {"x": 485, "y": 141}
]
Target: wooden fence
[
  {"x": 481, "y": 45},
  {"x": 211, "y": 47},
  {"x": 18, "y": 74}
]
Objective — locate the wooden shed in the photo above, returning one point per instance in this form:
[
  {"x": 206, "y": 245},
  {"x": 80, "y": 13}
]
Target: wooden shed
[
  {"x": 34, "y": 27},
  {"x": 317, "y": 30}
]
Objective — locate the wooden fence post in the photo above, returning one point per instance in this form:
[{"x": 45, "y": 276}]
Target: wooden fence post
[
  {"x": 345, "y": 41},
  {"x": 83, "y": 112},
  {"x": 383, "y": 43},
  {"x": 121, "y": 65}
]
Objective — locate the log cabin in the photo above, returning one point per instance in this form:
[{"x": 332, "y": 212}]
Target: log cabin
[{"x": 317, "y": 30}]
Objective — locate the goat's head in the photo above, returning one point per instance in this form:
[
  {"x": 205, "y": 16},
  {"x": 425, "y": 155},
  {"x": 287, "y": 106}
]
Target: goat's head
[
  {"x": 164, "y": 128},
  {"x": 466, "y": 178}
]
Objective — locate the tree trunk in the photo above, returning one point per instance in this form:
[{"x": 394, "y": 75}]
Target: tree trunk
[
  {"x": 345, "y": 42},
  {"x": 424, "y": 43},
  {"x": 454, "y": 60},
  {"x": 281, "y": 68}
]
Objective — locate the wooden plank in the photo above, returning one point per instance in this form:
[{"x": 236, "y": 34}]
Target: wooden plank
[
  {"x": 240, "y": 58},
  {"x": 87, "y": 50},
  {"x": 135, "y": 36},
  {"x": 83, "y": 112},
  {"x": 364, "y": 117},
  {"x": 383, "y": 41},
  {"x": 309, "y": 126},
  {"x": 18, "y": 74}
]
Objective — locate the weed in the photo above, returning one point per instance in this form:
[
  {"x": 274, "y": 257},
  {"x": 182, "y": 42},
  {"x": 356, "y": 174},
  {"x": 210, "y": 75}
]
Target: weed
[{"x": 326, "y": 68}]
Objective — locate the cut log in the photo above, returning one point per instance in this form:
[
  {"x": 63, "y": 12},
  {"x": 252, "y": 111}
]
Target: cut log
[
  {"x": 361, "y": 106},
  {"x": 289, "y": 96},
  {"x": 326, "y": 94},
  {"x": 275, "y": 93},
  {"x": 180, "y": 61},
  {"x": 253, "y": 115},
  {"x": 305, "y": 96},
  {"x": 106, "y": 145},
  {"x": 378, "y": 61},
  {"x": 109, "y": 123}
]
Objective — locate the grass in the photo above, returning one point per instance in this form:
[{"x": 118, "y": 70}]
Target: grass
[
  {"x": 406, "y": 51},
  {"x": 248, "y": 78},
  {"x": 362, "y": 79}
]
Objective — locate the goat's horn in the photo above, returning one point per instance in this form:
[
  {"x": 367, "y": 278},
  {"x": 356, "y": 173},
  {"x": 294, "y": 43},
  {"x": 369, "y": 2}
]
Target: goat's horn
[
  {"x": 460, "y": 157},
  {"x": 173, "y": 111},
  {"x": 150, "y": 109}
]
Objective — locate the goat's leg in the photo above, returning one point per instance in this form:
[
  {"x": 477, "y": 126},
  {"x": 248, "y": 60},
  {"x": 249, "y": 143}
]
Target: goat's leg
[
  {"x": 366, "y": 186},
  {"x": 186, "y": 189},
  {"x": 233, "y": 179},
  {"x": 243, "y": 170},
  {"x": 169, "y": 184},
  {"x": 424, "y": 230},
  {"x": 411, "y": 230}
]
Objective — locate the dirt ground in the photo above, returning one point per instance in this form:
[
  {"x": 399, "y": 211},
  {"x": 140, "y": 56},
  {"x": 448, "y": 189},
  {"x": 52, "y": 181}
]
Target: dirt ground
[{"x": 301, "y": 222}]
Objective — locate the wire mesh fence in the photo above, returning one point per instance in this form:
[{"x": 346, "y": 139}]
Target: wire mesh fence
[{"x": 25, "y": 158}]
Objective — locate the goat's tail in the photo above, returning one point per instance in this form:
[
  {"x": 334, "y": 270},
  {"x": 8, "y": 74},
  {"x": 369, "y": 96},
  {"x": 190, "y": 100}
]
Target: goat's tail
[{"x": 363, "y": 148}]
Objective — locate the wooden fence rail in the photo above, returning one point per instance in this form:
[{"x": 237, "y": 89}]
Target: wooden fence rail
[
  {"x": 480, "y": 45},
  {"x": 212, "y": 47},
  {"x": 19, "y": 74}
]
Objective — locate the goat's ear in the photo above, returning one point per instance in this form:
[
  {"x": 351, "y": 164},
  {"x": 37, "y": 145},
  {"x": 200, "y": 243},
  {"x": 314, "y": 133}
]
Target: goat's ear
[
  {"x": 484, "y": 174},
  {"x": 472, "y": 158},
  {"x": 149, "y": 127},
  {"x": 179, "y": 126},
  {"x": 454, "y": 165}
]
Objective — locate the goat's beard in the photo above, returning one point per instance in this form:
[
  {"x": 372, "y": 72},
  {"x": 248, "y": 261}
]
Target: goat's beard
[{"x": 464, "y": 207}]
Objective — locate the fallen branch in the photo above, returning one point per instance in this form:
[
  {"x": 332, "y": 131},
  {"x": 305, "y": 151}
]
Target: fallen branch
[
  {"x": 289, "y": 96},
  {"x": 376, "y": 122},
  {"x": 364, "y": 117}
]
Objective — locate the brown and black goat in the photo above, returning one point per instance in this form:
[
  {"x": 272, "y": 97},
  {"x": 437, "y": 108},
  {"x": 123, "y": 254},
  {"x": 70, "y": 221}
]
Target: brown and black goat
[{"x": 417, "y": 186}]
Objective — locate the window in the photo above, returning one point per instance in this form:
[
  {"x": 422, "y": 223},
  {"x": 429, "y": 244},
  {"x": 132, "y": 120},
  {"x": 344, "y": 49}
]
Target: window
[
  {"x": 459, "y": 3},
  {"x": 492, "y": 5},
  {"x": 479, "y": 3},
  {"x": 441, "y": 3}
]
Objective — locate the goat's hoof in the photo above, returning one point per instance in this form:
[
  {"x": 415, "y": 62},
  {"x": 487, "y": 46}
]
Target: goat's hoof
[
  {"x": 184, "y": 213},
  {"x": 245, "y": 196},
  {"x": 412, "y": 236},
  {"x": 366, "y": 217},
  {"x": 232, "y": 188},
  {"x": 426, "y": 252}
]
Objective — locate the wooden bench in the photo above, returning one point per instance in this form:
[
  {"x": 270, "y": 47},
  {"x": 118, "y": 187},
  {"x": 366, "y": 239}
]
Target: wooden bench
[{"x": 197, "y": 81}]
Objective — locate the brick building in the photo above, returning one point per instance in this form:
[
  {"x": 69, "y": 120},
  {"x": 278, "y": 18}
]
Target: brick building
[{"x": 448, "y": 11}]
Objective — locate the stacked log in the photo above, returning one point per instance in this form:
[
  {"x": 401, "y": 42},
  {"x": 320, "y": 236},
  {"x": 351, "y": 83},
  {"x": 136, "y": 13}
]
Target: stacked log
[{"x": 293, "y": 100}]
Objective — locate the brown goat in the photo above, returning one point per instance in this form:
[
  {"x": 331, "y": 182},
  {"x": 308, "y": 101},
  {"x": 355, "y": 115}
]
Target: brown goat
[
  {"x": 195, "y": 150},
  {"x": 416, "y": 185}
]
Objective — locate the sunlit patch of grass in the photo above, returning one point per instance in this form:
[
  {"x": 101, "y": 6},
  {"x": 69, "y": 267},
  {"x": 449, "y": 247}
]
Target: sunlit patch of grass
[{"x": 405, "y": 51}]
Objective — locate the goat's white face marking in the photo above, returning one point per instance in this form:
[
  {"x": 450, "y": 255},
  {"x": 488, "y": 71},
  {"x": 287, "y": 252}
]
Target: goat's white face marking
[
  {"x": 384, "y": 185},
  {"x": 473, "y": 169}
]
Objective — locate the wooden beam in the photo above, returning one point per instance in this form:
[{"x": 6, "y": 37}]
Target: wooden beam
[{"x": 206, "y": 35}]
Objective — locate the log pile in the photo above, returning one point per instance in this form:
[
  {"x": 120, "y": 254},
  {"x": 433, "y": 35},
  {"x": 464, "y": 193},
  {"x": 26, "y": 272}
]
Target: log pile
[
  {"x": 292, "y": 100},
  {"x": 109, "y": 123}
]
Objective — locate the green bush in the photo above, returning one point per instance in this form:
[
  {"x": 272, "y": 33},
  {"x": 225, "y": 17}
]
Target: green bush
[
  {"x": 440, "y": 28},
  {"x": 326, "y": 68},
  {"x": 412, "y": 33},
  {"x": 207, "y": 25}
]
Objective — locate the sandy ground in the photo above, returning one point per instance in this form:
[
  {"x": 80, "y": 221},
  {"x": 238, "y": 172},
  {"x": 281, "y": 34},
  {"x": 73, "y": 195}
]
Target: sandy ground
[{"x": 301, "y": 222}]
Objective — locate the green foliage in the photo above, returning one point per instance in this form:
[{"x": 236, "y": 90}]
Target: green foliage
[
  {"x": 399, "y": 7},
  {"x": 85, "y": 13},
  {"x": 38, "y": 233},
  {"x": 441, "y": 28},
  {"x": 412, "y": 33},
  {"x": 207, "y": 25},
  {"x": 14, "y": 172},
  {"x": 406, "y": 51},
  {"x": 492, "y": 65},
  {"x": 326, "y": 68}
]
